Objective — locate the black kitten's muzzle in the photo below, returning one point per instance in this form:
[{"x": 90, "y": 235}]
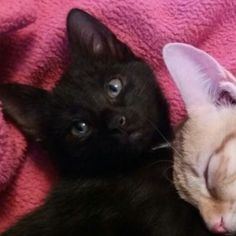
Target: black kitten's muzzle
[
  {"x": 127, "y": 128},
  {"x": 136, "y": 139}
]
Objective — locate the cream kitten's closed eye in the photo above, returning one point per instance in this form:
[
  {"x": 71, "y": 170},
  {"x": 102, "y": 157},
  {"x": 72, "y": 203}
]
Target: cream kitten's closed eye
[{"x": 205, "y": 156}]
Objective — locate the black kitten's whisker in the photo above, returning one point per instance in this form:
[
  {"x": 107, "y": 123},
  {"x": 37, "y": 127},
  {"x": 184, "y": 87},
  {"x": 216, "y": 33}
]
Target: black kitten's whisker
[
  {"x": 157, "y": 129},
  {"x": 165, "y": 171},
  {"x": 164, "y": 138},
  {"x": 141, "y": 91},
  {"x": 166, "y": 175},
  {"x": 162, "y": 161}
]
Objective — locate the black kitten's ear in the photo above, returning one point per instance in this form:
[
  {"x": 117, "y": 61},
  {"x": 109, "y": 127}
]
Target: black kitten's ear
[
  {"x": 90, "y": 38},
  {"x": 26, "y": 106}
]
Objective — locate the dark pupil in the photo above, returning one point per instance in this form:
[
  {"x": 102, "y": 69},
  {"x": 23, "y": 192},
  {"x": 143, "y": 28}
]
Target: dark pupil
[
  {"x": 81, "y": 127},
  {"x": 113, "y": 88}
]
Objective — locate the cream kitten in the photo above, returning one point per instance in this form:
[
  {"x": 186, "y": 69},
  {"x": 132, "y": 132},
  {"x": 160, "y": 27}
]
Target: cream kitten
[{"x": 205, "y": 146}]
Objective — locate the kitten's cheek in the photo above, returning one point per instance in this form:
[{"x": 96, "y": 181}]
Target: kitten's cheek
[{"x": 135, "y": 137}]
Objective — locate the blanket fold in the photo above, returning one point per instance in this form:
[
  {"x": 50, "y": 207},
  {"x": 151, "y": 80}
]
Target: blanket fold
[{"x": 33, "y": 50}]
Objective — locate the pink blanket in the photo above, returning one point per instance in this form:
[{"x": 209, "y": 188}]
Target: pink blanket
[{"x": 33, "y": 50}]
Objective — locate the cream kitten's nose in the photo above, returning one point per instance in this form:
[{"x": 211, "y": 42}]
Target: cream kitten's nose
[{"x": 219, "y": 227}]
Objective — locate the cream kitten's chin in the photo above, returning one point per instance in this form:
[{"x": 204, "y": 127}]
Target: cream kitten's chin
[{"x": 205, "y": 145}]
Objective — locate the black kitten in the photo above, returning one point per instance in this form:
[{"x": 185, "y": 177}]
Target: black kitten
[{"x": 102, "y": 124}]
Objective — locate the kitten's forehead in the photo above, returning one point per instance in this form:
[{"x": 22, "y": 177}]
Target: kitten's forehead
[
  {"x": 89, "y": 86},
  {"x": 217, "y": 123}
]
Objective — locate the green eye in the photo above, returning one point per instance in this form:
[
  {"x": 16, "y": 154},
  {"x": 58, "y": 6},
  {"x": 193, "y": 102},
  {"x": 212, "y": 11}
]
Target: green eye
[
  {"x": 114, "y": 88},
  {"x": 80, "y": 129}
]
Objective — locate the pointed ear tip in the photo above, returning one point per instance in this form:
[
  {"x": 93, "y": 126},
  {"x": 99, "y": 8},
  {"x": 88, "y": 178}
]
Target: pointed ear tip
[
  {"x": 70, "y": 17},
  {"x": 173, "y": 46},
  {"x": 71, "y": 13},
  {"x": 76, "y": 13},
  {"x": 166, "y": 51},
  {"x": 169, "y": 48}
]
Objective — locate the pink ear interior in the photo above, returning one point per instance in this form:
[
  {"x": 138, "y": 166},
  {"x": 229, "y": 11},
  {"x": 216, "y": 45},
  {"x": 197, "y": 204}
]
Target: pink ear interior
[{"x": 196, "y": 74}]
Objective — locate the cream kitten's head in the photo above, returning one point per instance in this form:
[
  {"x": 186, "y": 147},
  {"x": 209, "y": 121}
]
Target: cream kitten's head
[{"x": 205, "y": 145}]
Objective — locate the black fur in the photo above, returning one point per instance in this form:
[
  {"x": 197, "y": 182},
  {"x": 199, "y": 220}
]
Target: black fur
[{"x": 112, "y": 182}]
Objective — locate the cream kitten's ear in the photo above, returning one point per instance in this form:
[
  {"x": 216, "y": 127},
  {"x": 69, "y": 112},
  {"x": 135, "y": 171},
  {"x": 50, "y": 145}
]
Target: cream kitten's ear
[{"x": 198, "y": 76}]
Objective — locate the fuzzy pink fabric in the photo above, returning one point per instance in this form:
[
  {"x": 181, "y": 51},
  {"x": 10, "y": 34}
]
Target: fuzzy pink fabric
[{"x": 33, "y": 50}]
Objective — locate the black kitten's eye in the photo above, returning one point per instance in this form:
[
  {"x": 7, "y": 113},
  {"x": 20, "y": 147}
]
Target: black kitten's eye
[
  {"x": 114, "y": 88},
  {"x": 80, "y": 129}
]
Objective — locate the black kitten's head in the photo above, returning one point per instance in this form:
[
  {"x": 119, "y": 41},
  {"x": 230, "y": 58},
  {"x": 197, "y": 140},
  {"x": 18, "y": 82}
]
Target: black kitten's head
[{"x": 104, "y": 114}]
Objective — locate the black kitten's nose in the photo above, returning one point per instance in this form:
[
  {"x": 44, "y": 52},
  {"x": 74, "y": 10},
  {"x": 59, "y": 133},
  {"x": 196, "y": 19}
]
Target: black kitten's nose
[{"x": 117, "y": 122}]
